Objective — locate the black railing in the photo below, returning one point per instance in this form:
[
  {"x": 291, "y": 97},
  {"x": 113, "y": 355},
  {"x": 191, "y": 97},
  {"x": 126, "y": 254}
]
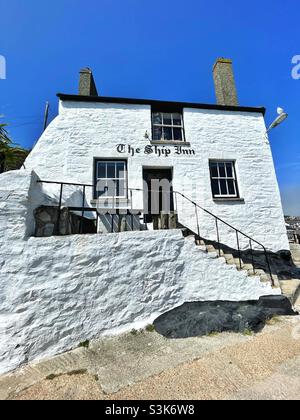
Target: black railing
[
  {"x": 83, "y": 209},
  {"x": 113, "y": 211},
  {"x": 238, "y": 233}
]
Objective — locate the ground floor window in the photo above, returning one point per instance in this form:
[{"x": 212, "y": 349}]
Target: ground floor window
[
  {"x": 223, "y": 179},
  {"x": 110, "y": 178}
]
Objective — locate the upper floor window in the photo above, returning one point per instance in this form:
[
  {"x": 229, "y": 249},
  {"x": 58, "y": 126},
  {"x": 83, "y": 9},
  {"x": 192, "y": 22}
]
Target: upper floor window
[
  {"x": 167, "y": 126},
  {"x": 223, "y": 179},
  {"x": 111, "y": 178}
]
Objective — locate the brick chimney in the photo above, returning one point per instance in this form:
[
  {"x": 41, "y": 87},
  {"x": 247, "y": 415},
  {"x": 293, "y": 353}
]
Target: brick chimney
[
  {"x": 87, "y": 86},
  {"x": 224, "y": 82}
]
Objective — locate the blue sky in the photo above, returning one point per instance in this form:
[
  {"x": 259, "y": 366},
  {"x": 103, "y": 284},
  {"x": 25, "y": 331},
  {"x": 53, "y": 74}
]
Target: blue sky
[{"x": 161, "y": 49}]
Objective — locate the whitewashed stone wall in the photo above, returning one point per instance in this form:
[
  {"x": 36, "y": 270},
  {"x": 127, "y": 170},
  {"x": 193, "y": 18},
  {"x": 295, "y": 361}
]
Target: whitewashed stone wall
[
  {"x": 84, "y": 131},
  {"x": 57, "y": 292}
]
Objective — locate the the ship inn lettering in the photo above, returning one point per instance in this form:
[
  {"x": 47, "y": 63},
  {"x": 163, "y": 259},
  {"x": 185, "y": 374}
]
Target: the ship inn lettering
[{"x": 158, "y": 151}]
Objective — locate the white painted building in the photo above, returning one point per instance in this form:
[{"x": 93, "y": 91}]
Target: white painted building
[
  {"x": 60, "y": 290},
  {"x": 191, "y": 143}
]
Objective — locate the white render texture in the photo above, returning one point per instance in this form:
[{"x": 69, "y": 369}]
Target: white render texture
[
  {"x": 57, "y": 292},
  {"x": 84, "y": 131}
]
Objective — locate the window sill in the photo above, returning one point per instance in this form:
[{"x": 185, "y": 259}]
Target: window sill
[
  {"x": 170, "y": 143},
  {"x": 226, "y": 200}
]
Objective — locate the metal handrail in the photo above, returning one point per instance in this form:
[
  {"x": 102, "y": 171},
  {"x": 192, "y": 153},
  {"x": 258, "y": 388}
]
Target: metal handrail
[
  {"x": 218, "y": 219},
  {"x": 237, "y": 231},
  {"x": 81, "y": 209},
  {"x": 197, "y": 206}
]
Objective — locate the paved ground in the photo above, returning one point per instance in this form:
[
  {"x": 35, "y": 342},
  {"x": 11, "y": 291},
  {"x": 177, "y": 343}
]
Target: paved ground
[{"x": 148, "y": 366}]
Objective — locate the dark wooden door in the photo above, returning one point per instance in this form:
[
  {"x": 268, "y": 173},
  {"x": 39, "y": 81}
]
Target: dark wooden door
[{"x": 159, "y": 195}]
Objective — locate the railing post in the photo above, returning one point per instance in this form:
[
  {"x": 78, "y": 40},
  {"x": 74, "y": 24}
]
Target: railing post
[
  {"x": 131, "y": 200},
  {"x": 82, "y": 211},
  {"x": 198, "y": 225},
  {"x": 176, "y": 201},
  {"x": 269, "y": 267},
  {"x": 252, "y": 257},
  {"x": 97, "y": 221},
  {"x": 112, "y": 222},
  {"x": 239, "y": 249},
  {"x": 218, "y": 236},
  {"x": 59, "y": 210},
  {"x": 113, "y": 214}
]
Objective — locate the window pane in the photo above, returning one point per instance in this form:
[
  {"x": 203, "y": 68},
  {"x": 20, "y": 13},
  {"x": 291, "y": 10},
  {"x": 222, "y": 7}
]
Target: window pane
[
  {"x": 121, "y": 188},
  {"x": 111, "y": 170},
  {"x": 229, "y": 169},
  {"x": 120, "y": 170},
  {"x": 214, "y": 170},
  {"x": 215, "y": 187},
  {"x": 111, "y": 186},
  {"x": 157, "y": 118},
  {"x": 222, "y": 170},
  {"x": 168, "y": 133},
  {"x": 177, "y": 133},
  {"x": 157, "y": 133},
  {"x": 101, "y": 189},
  {"x": 101, "y": 170},
  {"x": 223, "y": 185},
  {"x": 177, "y": 119},
  {"x": 167, "y": 119},
  {"x": 231, "y": 187}
]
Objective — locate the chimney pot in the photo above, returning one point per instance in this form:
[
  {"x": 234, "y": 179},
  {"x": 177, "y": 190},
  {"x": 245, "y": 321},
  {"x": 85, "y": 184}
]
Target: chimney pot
[
  {"x": 87, "y": 86},
  {"x": 224, "y": 82}
]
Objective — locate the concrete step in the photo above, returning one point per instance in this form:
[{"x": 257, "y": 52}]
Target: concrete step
[
  {"x": 229, "y": 259},
  {"x": 265, "y": 278},
  {"x": 290, "y": 289},
  {"x": 213, "y": 255},
  {"x": 219, "y": 251},
  {"x": 260, "y": 272},
  {"x": 248, "y": 267},
  {"x": 230, "y": 262},
  {"x": 239, "y": 263},
  {"x": 202, "y": 248},
  {"x": 190, "y": 238},
  {"x": 210, "y": 248}
]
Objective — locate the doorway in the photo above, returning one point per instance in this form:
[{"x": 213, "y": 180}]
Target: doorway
[{"x": 158, "y": 194}]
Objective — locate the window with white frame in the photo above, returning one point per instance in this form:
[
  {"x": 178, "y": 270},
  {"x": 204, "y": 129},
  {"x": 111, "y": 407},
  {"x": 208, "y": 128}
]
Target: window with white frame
[
  {"x": 167, "y": 126},
  {"x": 223, "y": 179},
  {"x": 111, "y": 178}
]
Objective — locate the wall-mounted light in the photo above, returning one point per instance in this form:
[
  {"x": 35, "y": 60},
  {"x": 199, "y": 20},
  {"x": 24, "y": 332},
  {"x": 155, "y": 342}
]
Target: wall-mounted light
[
  {"x": 147, "y": 137},
  {"x": 282, "y": 116}
]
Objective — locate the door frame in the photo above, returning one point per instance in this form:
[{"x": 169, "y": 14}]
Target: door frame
[{"x": 149, "y": 217}]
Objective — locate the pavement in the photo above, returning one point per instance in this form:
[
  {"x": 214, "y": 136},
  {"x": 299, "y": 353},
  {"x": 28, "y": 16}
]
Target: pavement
[{"x": 145, "y": 365}]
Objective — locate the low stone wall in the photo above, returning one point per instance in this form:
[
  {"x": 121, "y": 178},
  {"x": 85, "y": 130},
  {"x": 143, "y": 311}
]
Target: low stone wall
[
  {"x": 46, "y": 222},
  {"x": 57, "y": 292},
  {"x": 61, "y": 291}
]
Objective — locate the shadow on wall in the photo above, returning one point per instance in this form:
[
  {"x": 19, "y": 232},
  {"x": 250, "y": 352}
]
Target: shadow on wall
[{"x": 197, "y": 319}]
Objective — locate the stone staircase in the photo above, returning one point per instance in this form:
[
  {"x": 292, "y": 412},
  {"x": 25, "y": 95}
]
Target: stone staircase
[
  {"x": 231, "y": 257},
  {"x": 288, "y": 277}
]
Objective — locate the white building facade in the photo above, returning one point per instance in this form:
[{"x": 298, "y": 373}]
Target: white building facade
[
  {"x": 218, "y": 156},
  {"x": 58, "y": 291}
]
